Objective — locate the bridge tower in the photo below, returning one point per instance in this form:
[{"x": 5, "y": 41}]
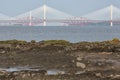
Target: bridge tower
[
  {"x": 30, "y": 19},
  {"x": 111, "y": 15},
  {"x": 44, "y": 18}
]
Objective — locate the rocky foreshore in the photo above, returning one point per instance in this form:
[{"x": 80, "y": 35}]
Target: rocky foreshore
[{"x": 59, "y": 60}]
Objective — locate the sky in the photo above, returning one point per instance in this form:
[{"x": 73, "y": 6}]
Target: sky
[{"x": 73, "y": 7}]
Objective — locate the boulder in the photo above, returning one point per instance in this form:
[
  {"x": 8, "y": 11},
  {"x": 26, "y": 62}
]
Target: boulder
[{"x": 80, "y": 65}]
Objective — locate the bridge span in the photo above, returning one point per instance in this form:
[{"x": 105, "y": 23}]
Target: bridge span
[
  {"x": 67, "y": 22},
  {"x": 45, "y": 15}
]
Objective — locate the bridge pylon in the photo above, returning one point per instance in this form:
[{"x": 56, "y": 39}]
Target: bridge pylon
[
  {"x": 30, "y": 19},
  {"x": 44, "y": 18},
  {"x": 111, "y": 15}
]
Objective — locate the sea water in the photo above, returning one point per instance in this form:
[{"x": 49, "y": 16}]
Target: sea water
[{"x": 69, "y": 33}]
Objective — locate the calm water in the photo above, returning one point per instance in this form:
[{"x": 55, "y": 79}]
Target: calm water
[{"x": 70, "y": 33}]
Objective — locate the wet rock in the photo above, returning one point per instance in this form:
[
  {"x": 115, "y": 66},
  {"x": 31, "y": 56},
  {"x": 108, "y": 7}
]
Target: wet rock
[
  {"x": 100, "y": 59},
  {"x": 80, "y": 65}
]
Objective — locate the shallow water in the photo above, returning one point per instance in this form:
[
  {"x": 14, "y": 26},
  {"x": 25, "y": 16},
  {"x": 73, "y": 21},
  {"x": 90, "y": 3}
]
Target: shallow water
[
  {"x": 70, "y": 33},
  {"x": 17, "y": 69},
  {"x": 49, "y": 72}
]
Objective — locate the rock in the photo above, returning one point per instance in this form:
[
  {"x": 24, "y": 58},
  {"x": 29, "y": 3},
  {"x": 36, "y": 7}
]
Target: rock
[
  {"x": 2, "y": 73},
  {"x": 111, "y": 75},
  {"x": 81, "y": 65},
  {"x": 105, "y": 53},
  {"x": 99, "y": 64},
  {"x": 118, "y": 49},
  {"x": 23, "y": 76},
  {"x": 73, "y": 61},
  {"x": 33, "y": 75},
  {"x": 116, "y": 77},
  {"x": 98, "y": 74},
  {"x": 2, "y": 52},
  {"x": 79, "y": 59},
  {"x": 15, "y": 73},
  {"x": 18, "y": 47}
]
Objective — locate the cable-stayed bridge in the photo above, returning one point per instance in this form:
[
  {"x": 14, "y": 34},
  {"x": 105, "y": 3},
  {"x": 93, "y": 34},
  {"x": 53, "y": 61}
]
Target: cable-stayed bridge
[{"x": 49, "y": 16}]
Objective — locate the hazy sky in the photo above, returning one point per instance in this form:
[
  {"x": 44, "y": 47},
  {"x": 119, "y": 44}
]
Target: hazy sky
[{"x": 73, "y": 7}]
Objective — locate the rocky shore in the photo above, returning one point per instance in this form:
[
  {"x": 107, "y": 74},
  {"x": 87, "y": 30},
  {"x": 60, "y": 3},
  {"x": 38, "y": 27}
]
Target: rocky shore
[{"x": 59, "y": 60}]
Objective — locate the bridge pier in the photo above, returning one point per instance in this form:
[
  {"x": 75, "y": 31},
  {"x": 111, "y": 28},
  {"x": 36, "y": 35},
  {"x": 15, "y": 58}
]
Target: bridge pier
[{"x": 30, "y": 18}]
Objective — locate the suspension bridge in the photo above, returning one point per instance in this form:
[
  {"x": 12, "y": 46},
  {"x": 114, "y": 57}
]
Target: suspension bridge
[{"x": 46, "y": 15}]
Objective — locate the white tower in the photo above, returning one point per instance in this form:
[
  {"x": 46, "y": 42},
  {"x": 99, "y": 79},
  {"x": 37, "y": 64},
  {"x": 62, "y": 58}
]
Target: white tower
[
  {"x": 111, "y": 15},
  {"x": 44, "y": 10},
  {"x": 30, "y": 18}
]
